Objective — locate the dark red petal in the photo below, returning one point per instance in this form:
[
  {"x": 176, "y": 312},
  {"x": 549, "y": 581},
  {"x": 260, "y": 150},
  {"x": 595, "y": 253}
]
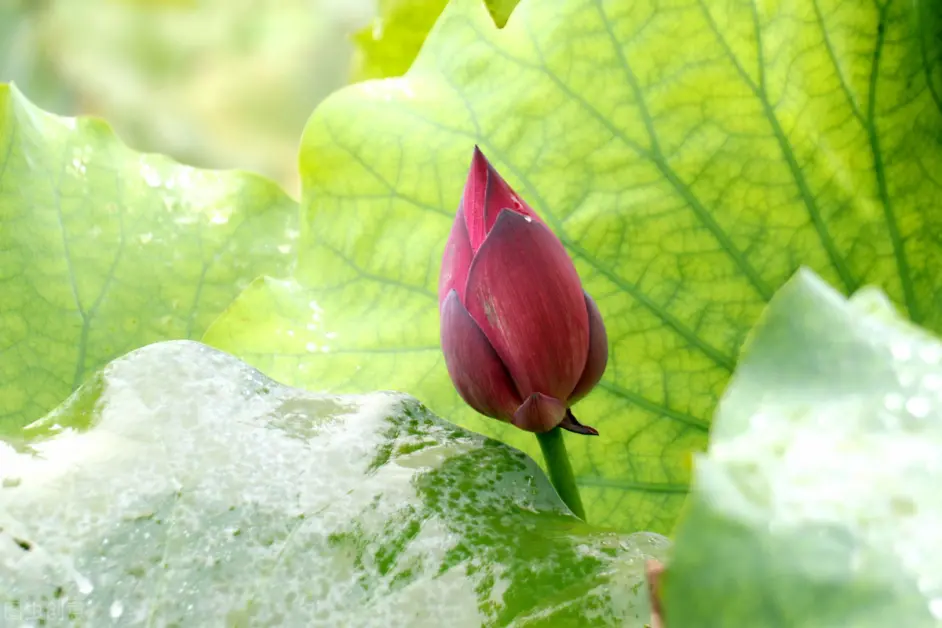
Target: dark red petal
[
  {"x": 539, "y": 413},
  {"x": 571, "y": 423},
  {"x": 489, "y": 199},
  {"x": 456, "y": 260},
  {"x": 524, "y": 293},
  {"x": 478, "y": 374},
  {"x": 472, "y": 200},
  {"x": 598, "y": 353}
]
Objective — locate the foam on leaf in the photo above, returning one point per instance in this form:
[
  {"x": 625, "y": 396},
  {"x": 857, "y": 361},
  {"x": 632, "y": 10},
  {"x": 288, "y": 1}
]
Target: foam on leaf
[{"x": 182, "y": 486}]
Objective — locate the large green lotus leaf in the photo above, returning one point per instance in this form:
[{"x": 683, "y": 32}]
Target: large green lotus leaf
[
  {"x": 182, "y": 487},
  {"x": 817, "y": 503},
  {"x": 103, "y": 250},
  {"x": 389, "y": 45},
  {"x": 691, "y": 155}
]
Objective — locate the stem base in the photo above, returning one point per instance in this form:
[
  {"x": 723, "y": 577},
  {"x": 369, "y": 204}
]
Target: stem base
[{"x": 560, "y": 471}]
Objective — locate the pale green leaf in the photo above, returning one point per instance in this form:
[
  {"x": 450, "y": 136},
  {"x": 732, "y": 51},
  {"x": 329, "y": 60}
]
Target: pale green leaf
[
  {"x": 817, "y": 503},
  {"x": 690, "y": 155},
  {"x": 103, "y": 250},
  {"x": 389, "y": 45},
  {"x": 183, "y": 488}
]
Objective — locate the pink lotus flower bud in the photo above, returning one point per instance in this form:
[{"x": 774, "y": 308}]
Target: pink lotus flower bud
[{"x": 522, "y": 340}]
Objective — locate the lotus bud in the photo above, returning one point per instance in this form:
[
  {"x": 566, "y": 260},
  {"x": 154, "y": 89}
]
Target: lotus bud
[{"x": 522, "y": 340}]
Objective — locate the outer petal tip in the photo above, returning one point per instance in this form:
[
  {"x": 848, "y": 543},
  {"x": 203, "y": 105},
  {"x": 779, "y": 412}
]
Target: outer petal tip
[
  {"x": 539, "y": 413},
  {"x": 474, "y": 198},
  {"x": 501, "y": 196}
]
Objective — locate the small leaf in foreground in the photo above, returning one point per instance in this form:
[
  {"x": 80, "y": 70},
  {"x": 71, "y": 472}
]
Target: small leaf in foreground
[
  {"x": 818, "y": 501},
  {"x": 182, "y": 487},
  {"x": 104, "y": 250}
]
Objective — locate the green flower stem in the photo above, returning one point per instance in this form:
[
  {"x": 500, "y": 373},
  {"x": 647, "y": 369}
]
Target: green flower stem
[{"x": 560, "y": 471}]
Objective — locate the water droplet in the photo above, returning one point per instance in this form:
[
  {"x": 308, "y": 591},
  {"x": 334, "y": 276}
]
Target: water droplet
[
  {"x": 311, "y": 347},
  {"x": 84, "y": 584},
  {"x": 117, "y": 608}
]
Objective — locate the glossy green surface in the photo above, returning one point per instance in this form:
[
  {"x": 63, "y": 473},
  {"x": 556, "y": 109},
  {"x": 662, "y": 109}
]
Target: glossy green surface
[
  {"x": 181, "y": 487},
  {"x": 817, "y": 504}
]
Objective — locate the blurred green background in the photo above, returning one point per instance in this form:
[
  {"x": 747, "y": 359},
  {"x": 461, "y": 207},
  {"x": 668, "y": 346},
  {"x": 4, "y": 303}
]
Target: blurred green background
[{"x": 213, "y": 83}]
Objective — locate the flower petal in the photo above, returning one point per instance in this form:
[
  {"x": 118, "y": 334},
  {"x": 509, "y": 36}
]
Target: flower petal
[
  {"x": 478, "y": 374},
  {"x": 472, "y": 200},
  {"x": 598, "y": 353},
  {"x": 571, "y": 423},
  {"x": 456, "y": 260},
  {"x": 524, "y": 293},
  {"x": 539, "y": 413},
  {"x": 486, "y": 194}
]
